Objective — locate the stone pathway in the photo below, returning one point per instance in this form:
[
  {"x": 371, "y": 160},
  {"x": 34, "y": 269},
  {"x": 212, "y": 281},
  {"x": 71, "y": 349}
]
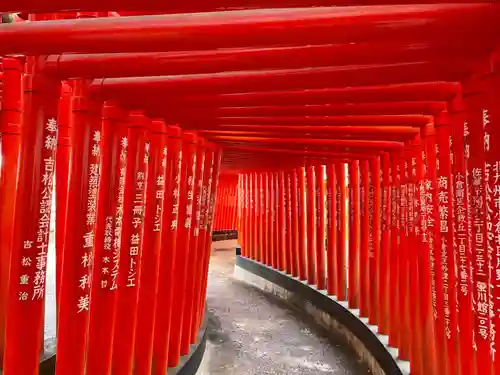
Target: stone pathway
[{"x": 251, "y": 332}]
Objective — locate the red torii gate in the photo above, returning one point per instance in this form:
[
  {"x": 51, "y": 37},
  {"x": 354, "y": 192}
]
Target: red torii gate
[{"x": 400, "y": 190}]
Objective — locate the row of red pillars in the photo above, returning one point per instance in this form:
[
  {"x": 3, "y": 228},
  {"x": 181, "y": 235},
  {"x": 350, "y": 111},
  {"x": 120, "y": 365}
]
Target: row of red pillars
[
  {"x": 226, "y": 209},
  {"x": 286, "y": 217},
  {"x": 134, "y": 213},
  {"x": 410, "y": 237}
]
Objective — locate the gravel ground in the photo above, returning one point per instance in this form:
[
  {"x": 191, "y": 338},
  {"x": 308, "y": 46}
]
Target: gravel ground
[{"x": 251, "y": 332}]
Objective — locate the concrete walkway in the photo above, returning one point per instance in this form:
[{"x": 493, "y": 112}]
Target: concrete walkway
[{"x": 251, "y": 332}]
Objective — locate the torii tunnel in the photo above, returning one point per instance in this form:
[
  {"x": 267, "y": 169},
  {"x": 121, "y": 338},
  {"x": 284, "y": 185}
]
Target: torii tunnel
[{"x": 351, "y": 145}]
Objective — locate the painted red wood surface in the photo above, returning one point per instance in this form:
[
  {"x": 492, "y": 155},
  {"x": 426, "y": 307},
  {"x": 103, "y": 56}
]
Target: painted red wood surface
[
  {"x": 10, "y": 127},
  {"x": 348, "y": 146},
  {"x": 320, "y": 196},
  {"x": 311, "y": 225}
]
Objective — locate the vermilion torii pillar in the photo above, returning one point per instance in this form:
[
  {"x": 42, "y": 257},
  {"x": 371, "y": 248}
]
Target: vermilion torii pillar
[
  {"x": 320, "y": 194},
  {"x": 168, "y": 241},
  {"x": 184, "y": 229},
  {"x": 24, "y": 319},
  {"x": 79, "y": 242},
  {"x": 150, "y": 262},
  {"x": 264, "y": 104},
  {"x": 11, "y": 137},
  {"x": 131, "y": 247},
  {"x": 193, "y": 249}
]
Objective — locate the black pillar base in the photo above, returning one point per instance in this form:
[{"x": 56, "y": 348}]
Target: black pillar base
[
  {"x": 188, "y": 365},
  {"x": 376, "y": 349},
  {"x": 221, "y": 235}
]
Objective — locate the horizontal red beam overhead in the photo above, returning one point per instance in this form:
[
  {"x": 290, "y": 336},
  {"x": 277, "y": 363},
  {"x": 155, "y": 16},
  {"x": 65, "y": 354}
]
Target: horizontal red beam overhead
[
  {"x": 386, "y": 145},
  {"x": 276, "y": 80},
  {"x": 317, "y": 131},
  {"x": 435, "y": 91},
  {"x": 197, "y": 62},
  {"x": 49, "y": 6},
  {"x": 260, "y": 164},
  {"x": 304, "y": 147},
  {"x": 252, "y": 151},
  {"x": 398, "y": 137},
  {"x": 289, "y": 163},
  {"x": 335, "y": 109},
  {"x": 382, "y": 120},
  {"x": 283, "y": 129},
  {"x": 260, "y": 158},
  {"x": 321, "y": 25}
]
